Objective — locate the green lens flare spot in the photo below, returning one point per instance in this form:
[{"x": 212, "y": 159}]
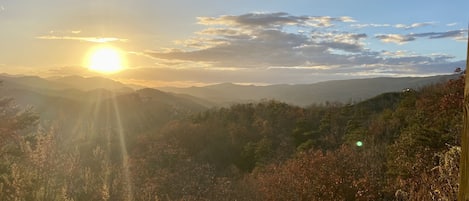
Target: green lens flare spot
[{"x": 359, "y": 143}]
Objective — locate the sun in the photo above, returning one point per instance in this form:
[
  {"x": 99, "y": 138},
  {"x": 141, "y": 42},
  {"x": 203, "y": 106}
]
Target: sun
[{"x": 105, "y": 59}]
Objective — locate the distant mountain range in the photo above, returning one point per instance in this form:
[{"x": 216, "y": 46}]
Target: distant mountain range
[
  {"x": 305, "y": 94},
  {"x": 32, "y": 89},
  {"x": 94, "y": 103}
]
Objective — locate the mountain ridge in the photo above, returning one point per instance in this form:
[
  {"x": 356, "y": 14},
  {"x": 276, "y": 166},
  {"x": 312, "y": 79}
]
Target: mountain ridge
[
  {"x": 305, "y": 94},
  {"x": 54, "y": 100},
  {"x": 225, "y": 94}
]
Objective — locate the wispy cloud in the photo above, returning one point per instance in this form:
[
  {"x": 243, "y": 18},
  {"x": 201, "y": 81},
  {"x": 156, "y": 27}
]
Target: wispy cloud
[
  {"x": 87, "y": 39},
  {"x": 452, "y": 24},
  {"x": 399, "y": 26},
  {"x": 403, "y": 38},
  {"x": 414, "y": 25},
  {"x": 327, "y": 21},
  {"x": 454, "y": 34},
  {"x": 369, "y": 25},
  {"x": 395, "y": 38},
  {"x": 398, "y": 53}
]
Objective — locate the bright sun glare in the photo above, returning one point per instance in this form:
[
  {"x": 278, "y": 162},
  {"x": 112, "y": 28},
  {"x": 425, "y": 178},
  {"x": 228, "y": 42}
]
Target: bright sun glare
[{"x": 105, "y": 59}]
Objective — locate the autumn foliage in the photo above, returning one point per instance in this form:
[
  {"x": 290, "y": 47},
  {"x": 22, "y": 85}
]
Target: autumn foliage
[{"x": 408, "y": 150}]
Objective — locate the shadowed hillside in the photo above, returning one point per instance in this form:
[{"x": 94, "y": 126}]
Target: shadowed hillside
[{"x": 62, "y": 102}]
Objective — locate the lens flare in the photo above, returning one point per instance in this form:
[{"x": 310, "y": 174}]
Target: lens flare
[{"x": 359, "y": 143}]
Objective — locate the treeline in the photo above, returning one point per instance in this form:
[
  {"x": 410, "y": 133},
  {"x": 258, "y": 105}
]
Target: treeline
[{"x": 396, "y": 146}]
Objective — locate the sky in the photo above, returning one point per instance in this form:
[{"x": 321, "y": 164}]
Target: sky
[{"x": 196, "y": 43}]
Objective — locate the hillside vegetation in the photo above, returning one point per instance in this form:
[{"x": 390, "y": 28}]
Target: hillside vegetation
[{"x": 395, "y": 146}]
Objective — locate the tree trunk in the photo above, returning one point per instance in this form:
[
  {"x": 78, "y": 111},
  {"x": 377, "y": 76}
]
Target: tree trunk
[{"x": 463, "y": 194}]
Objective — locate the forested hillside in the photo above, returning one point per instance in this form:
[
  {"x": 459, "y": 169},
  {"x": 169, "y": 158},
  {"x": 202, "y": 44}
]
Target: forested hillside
[{"x": 395, "y": 146}]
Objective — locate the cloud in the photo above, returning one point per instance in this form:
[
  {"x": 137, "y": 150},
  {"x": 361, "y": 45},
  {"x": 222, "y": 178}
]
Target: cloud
[
  {"x": 326, "y": 21},
  {"x": 260, "y": 40},
  {"x": 254, "y": 20},
  {"x": 455, "y": 34},
  {"x": 87, "y": 39},
  {"x": 395, "y": 38},
  {"x": 452, "y": 24},
  {"x": 414, "y": 25},
  {"x": 343, "y": 41},
  {"x": 369, "y": 25},
  {"x": 272, "y": 20},
  {"x": 226, "y": 32},
  {"x": 416, "y": 60},
  {"x": 200, "y": 43},
  {"x": 266, "y": 48},
  {"x": 279, "y": 48},
  {"x": 403, "y": 38},
  {"x": 398, "y": 53}
]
